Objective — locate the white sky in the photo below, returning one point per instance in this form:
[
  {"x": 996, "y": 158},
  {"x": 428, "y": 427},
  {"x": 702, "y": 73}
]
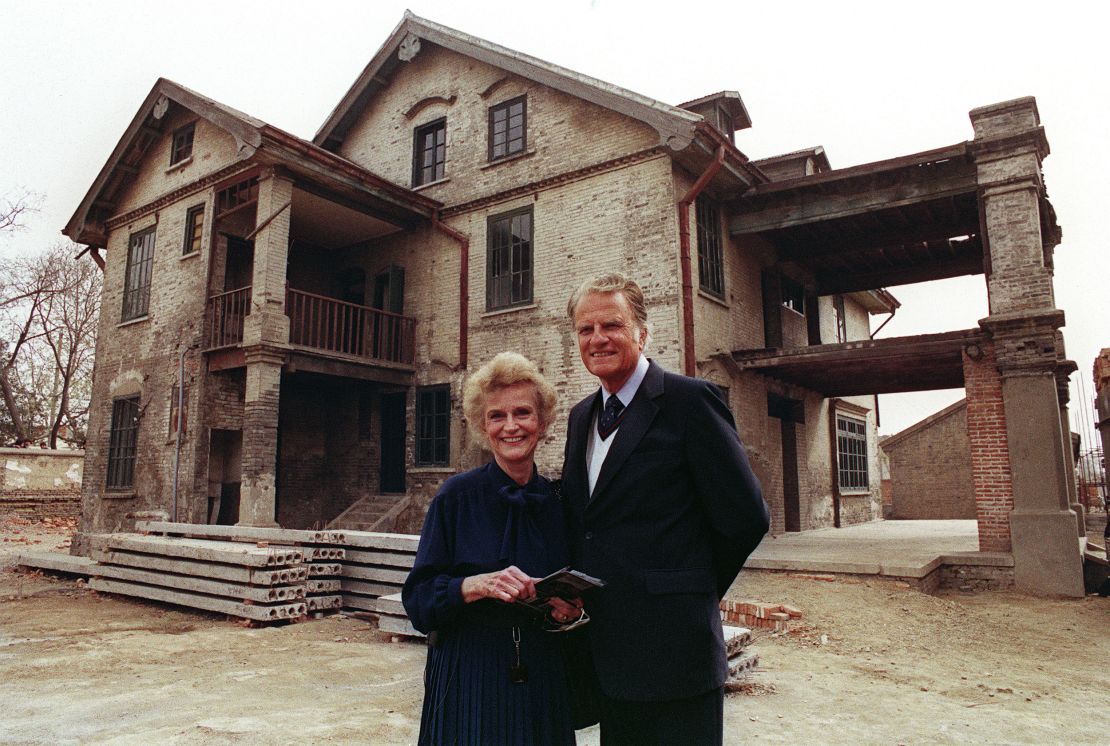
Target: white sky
[{"x": 867, "y": 80}]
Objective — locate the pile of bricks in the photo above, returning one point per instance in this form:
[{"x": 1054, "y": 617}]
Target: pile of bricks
[{"x": 759, "y": 615}]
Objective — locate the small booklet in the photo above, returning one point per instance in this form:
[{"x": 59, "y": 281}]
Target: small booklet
[{"x": 565, "y": 583}]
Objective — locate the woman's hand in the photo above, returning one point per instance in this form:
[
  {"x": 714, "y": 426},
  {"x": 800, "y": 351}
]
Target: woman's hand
[
  {"x": 563, "y": 611},
  {"x": 508, "y": 585}
]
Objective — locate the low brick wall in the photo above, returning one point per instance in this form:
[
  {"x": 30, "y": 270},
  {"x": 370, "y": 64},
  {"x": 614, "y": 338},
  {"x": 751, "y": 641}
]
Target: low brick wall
[{"x": 39, "y": 483}]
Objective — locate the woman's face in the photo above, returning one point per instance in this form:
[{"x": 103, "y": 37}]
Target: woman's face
[{"x": 512, "y": 424}]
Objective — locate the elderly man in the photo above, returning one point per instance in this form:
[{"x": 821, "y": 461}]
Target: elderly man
[{"x": 663, "y": 506}]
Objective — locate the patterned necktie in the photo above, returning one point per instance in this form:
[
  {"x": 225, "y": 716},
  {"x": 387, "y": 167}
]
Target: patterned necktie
[{"x": 611, "y": 417}]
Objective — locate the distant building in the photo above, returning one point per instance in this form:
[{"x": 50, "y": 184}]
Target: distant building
[{"x": 930, "y": 467}]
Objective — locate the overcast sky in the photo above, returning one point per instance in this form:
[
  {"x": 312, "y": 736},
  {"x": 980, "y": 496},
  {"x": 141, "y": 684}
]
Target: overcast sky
[{"x": 865, "y": 80}]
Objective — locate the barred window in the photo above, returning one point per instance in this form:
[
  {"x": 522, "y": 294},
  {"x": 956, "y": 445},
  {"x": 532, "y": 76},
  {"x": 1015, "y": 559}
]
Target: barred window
[
  {"x": 508, "y": 128},
  {"x": 429, "y": 152},
  {"x": 851, "y": 453},
  {"x": 509, "y": 259},
  {"x": 121, "y": 443},
  {"x": 136, "y": 279},
  {"x": 433, "y": 426},
  {"x": 194, "y": 229},
  {"x": 711, "y": 271},
  {"x": 182, "y": 145}
]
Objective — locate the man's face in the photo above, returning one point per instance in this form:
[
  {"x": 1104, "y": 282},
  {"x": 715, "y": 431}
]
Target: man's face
[{"x": 609, "y": 339}]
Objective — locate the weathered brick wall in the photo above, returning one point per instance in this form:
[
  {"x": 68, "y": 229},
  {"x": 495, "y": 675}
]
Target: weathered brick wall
[
  {"x": 930, "y": 468},
  {"x": 563, "y": 133},
  {"x": 213, "y": 149},
  {"x": 37, "y": 483},
  {"x": 990, "y": 455}
]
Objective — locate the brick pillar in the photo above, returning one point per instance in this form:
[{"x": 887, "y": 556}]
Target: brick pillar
[
  {"x": 1063, "y": 396},
  {"x": 265, "y": 337},
  {"x": 1101, "y": 375},
  {"x": 1008, "y": 148},
  {"x": 990, "y": 457}
]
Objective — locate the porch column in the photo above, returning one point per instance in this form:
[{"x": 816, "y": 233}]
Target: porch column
[
  {"x": 990, "y": 456},
  {"x": 265, "y": 337},
  {"x": 1008, "y": 148},
  {"x": 1063, "y": 396}
]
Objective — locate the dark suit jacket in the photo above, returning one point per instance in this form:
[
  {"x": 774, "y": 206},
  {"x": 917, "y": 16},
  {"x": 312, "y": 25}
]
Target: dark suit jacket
[{"x": 674, "y": 515}]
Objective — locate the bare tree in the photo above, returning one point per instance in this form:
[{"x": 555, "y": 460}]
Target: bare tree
[
  {"x": 49, "y": 305},
  {"x": 14, "y": 209}
]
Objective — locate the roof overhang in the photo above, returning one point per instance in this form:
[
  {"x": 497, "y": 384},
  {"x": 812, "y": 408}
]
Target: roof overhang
[
  {"x": 892, "y": 222},
  {"x": 875, "y": 366},
  {"x": 256, "y": 143},
  {"x": 674, "y": 125}
]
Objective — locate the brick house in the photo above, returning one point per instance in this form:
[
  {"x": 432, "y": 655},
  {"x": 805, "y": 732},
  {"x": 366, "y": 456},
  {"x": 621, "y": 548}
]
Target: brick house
[{"x": 315, "y": 306}]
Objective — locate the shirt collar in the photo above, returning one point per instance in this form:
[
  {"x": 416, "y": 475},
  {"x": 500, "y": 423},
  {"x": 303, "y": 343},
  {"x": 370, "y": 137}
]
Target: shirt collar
[{"x": 632, "y": 385}]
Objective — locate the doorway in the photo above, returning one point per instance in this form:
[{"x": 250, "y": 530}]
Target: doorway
[
  {"x": 225, "y": 473},
  {"x": 392, "y": 471},
  {"x": 790, "y": 413}
]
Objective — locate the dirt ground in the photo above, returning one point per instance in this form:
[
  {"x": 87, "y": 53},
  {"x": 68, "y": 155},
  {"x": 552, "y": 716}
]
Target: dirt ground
[{"x": 875, "y": 663}]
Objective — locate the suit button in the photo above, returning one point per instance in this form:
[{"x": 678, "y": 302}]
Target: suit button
[{"x": 589, "y": 534}]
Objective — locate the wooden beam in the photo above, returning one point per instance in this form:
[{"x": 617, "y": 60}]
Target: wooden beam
[
  {"x": 830, "y": 283},
  {"x": 803, "y": 206}
]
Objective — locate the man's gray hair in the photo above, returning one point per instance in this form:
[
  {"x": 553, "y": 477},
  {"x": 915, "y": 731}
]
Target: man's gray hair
[{"x": 614, "y": 282}]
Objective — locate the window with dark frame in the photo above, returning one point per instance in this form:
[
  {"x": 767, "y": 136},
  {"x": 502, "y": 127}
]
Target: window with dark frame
[
  {"x": 509, "y": 259},
  {"x": 194, "y": 229},
  {"x": 121, "y": 443},
  {"x": 851, "y": 453},
  {"x": 793, "y": 296},
  {"x": 237, "y": 195},
  {"x": 433, "y": 426},
  {"x": 136, "y": 287},
  {"x": 182, "y": 146},
  {"x": 174, "y": 394},
  {"x": 841, "y": 319},
  {"x": 429, "y": 152},
  {"x": 711, "y": 269},
  {"x": 508, "y": 128}
]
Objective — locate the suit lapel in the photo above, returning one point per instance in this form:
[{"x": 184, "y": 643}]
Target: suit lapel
[
  {"x": 641, "y": 413},
  {"x": 578, "y": 433}
]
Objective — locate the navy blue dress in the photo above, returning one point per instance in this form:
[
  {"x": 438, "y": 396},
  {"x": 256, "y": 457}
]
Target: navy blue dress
[{"x": 482, "y": 521}]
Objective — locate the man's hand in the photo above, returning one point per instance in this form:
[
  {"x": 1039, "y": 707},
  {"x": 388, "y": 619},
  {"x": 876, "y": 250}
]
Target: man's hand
[
  {"x": 508, "y": 585},
  {"x": 563, "y": 611}
]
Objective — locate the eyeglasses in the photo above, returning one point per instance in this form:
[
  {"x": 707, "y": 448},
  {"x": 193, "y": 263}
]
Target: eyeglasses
[{"x": 550, "y": 625}]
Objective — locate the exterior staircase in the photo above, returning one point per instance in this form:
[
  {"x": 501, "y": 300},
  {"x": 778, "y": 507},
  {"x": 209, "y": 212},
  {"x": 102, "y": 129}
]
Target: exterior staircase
[{"x": 371, "y": 513}]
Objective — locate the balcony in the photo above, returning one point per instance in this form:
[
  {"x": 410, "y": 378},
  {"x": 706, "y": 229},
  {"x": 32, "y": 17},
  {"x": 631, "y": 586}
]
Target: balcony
[{"x": 318, "y": 325}]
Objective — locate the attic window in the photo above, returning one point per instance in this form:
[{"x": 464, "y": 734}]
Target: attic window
[
  {"x": 182, "y": 147},
  {"x": 429, "y": 152}
]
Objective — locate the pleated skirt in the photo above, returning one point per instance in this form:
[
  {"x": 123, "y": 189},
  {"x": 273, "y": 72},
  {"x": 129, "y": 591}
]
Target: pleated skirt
[{"x": 469, "y": 698}]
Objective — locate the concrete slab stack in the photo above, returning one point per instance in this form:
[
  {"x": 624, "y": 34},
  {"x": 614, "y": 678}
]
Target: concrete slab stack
[
  {"x": 262, "y": 584},
  {"x": 323, "y": 552},
  {"x": 375, "y": 565}
]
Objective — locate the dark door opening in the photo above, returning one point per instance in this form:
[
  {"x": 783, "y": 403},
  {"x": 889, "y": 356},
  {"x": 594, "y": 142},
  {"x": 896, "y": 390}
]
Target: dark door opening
[
  {"x": 240, "y": 263},
  {"x": 392, "y": 473},
  {"x": 790, "y": 412},
  {"x": 225, "y": 469}
]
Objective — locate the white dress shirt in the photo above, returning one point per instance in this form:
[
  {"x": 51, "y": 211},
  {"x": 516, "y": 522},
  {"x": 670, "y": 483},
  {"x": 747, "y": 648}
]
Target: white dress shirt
[{"x": 597, "y": 449}]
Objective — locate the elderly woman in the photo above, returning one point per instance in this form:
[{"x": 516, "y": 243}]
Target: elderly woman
[{"x": 493, "y": 676}]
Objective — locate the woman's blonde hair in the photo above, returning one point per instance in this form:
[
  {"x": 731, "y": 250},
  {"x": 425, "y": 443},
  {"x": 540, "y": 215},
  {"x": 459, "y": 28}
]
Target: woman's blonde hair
[{"x": 505, "y": 369}]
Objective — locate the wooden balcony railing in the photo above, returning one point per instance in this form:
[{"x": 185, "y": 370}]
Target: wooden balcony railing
[
  {"x": 228, "y": 311},
  {"x": 320, "y": 323},
  {"x": 349, "y": 329}
]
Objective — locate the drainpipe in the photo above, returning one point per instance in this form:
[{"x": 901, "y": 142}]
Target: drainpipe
[
  {"x": 180, "y": 420},
  {"x": 689, "y": 367},
  {"x": 464, "y": 284}
]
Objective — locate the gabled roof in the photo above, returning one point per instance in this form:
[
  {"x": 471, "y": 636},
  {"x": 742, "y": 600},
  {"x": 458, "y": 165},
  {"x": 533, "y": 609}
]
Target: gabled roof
[
  {"x": 674, "y": 125},
  {"x": 87, "y": 226},
  {"x": 730, "y": 101}
]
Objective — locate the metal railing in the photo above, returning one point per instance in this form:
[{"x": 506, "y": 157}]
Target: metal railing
[
  {"x": 323, "y": 323},
  {"x": 228, "y": 311}
]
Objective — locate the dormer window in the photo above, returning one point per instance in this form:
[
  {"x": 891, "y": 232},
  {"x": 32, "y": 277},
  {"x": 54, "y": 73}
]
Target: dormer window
[
  {"x": 508, "y": 128},
  {"x": 725, "y": 122},
  {"x": 182, "y": 146}
]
